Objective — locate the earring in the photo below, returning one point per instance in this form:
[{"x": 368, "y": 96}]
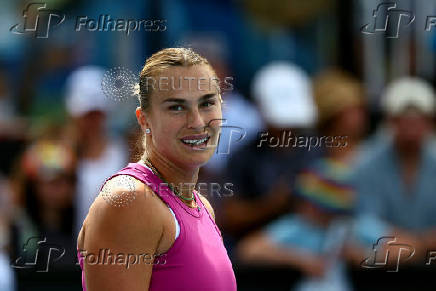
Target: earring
[{"x": 147, "y": 130}]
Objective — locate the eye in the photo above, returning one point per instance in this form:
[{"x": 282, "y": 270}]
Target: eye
[
  {"x": 208, "y": 103},
  {"x": 176, "y": 108}
]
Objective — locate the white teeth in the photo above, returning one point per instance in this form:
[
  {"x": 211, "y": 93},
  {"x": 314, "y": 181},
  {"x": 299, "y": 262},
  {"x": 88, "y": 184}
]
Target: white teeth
[{"x": 195, "y": 141}]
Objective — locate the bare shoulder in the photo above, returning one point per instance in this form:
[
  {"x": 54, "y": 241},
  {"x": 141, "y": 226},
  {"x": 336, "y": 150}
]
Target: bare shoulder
[
  {"x": 207, "y": 204},
  {"x": 124, "y": 207},
  {"x": 125, "y": 219}
]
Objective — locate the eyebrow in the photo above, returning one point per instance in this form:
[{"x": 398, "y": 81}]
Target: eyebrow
[{"x": 182, "y": 101}]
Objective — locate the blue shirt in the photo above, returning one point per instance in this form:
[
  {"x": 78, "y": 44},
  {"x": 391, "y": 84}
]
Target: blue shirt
[
  {"x": 383, "y": 195},
  {"x": 294, "y": 231}
]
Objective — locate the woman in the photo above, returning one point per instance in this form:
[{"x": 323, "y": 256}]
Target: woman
[{"x": 137, "y": 216}]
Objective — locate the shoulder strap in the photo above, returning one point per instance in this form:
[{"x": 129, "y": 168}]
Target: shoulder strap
[{"x": 146, "y": 176}]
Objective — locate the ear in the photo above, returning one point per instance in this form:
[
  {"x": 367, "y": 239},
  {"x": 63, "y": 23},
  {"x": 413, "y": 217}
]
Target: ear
[{"x": 140, "y": 116}]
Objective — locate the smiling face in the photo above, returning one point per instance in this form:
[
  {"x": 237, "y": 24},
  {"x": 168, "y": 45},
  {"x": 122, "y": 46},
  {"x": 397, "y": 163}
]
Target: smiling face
[{"x": 184, "y": 115}]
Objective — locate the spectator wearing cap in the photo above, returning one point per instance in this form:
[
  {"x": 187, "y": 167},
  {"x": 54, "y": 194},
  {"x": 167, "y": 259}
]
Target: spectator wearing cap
[
  {"x": 312, "y": 238},
  {"x": 341, "y": 114},
  {"x": 395, "y": 183},
  {"x": 262, "y": 173},
  {"x": 99, "y": 153}
]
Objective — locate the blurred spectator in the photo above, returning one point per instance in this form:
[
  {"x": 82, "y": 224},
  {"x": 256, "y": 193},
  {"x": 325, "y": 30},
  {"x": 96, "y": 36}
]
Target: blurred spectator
[
  {"x": 13, "y": 129},
  {"x": 7, "y": 109},
  {"x": 99, "y": 154},
  {"x": 6, "y": 275},
  {"x": 341, "y": 114},
  {"x": 396, "y": 183},
  {"x": 45, "y": 180},
  {"x": 312, "y": 238},
  {"x": 237, "y": 130},
  {"x": 284, "y": 96}
]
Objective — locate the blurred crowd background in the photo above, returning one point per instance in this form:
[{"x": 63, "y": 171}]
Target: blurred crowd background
[{"x": 298, "y": 217}]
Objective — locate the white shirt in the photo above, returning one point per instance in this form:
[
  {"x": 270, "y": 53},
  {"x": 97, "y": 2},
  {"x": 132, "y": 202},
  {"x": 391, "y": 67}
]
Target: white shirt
[{"x": 91, "y": 174}]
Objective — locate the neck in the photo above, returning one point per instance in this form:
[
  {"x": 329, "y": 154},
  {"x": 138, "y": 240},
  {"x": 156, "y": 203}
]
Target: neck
[{"x": 183, "y": 178}]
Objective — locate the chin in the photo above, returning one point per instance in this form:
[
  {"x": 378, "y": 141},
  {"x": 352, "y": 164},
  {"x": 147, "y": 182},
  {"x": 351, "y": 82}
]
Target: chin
[{"x": 198, "y": 160}]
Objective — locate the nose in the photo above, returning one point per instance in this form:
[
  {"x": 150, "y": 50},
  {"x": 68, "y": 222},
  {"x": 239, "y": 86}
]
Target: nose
[{"x": 195, "y": 120}]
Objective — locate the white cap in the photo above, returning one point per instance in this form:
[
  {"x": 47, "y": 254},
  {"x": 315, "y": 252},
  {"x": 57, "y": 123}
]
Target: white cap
[
  {"x": 84, "y": 93},
  {"x": 284, "y": 94},
  {"x": 409, "y": 92}
]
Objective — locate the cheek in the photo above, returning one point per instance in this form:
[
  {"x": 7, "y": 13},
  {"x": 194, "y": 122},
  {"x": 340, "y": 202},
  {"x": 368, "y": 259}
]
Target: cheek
[{"x": 167, "y": 130}]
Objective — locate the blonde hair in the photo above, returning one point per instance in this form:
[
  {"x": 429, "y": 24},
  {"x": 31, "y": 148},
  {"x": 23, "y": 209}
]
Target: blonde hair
[{"x": 335, "y": 90}]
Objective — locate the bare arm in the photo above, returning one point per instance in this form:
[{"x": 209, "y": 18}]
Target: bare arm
[
  {"x": 356, "y": 253},
  {"x": 242, "y": 214},
  {"x": 131, "y": 229},
  {"x": 258, "y": 248}
]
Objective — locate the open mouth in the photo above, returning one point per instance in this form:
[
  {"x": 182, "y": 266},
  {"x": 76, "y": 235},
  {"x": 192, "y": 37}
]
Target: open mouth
[{"x": 198, "y": 142}]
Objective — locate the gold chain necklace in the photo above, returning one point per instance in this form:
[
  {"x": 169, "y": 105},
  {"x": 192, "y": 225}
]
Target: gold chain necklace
[{"x": 174, "y": 189}]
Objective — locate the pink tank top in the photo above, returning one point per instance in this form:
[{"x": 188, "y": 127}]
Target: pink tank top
[{"x": 198, "y": 259}]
